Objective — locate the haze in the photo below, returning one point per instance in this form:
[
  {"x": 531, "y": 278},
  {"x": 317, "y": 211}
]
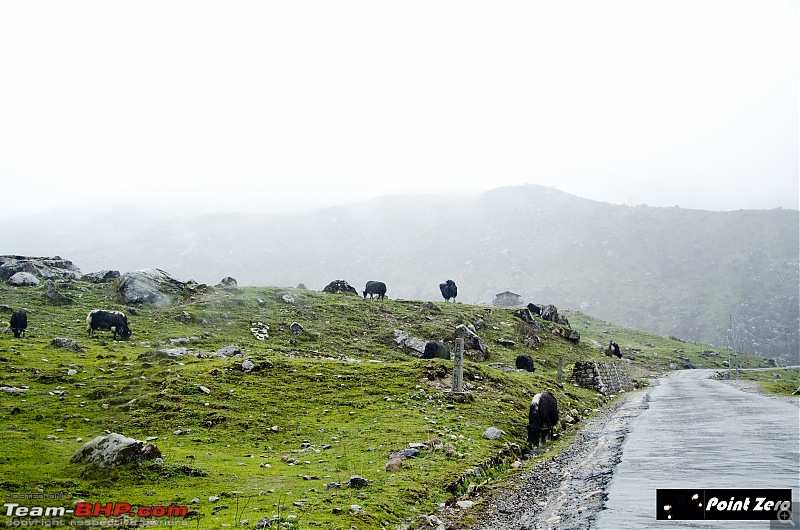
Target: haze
[{"x": 279, "y": 106}]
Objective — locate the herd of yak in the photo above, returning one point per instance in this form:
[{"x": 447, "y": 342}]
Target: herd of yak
[{"x": 542, "y": 415}]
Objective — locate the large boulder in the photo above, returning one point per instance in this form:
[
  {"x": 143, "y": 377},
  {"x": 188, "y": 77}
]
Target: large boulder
[
  {"x": 408, "y": 343},
  {"x": 148, "y": 286},
  {"x": 44, "y": 268},
  {"x": 474, "y": 346},
  {"x": 23, "y": 279},
  {"x": 339, "y": 286},
  {"x": 115, "y": 450}
]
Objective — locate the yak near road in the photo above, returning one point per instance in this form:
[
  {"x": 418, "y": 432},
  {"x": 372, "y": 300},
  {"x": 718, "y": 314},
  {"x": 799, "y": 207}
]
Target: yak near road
[{"x": 686, "y": 431}]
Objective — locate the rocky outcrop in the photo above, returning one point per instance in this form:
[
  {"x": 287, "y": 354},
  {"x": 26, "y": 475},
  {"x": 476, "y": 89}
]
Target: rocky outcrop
[
  {"x": 339, "y": 286},
  {"x": 115, "y": 450},
  {"x": 148, "y": 286},
  {"x": 606, "y": 377},
  {"x": 42, "y": 268}
]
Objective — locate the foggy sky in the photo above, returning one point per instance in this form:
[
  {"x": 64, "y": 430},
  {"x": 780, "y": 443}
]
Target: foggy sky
[{"x": 257, "y": 106}]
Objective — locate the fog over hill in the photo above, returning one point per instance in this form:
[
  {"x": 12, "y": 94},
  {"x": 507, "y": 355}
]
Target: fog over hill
[{"x": 670, "y": 271}]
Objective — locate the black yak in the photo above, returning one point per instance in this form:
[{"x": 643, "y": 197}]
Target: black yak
[
  {"x": 542, "y": 417},
  {"x": 613, "y": 349},
  {"x": 436, "y": 350},
  {"x": 373, "y": 288},
  {"x": 525, "y": 362},
  {"x": 19, "y": 322},
  {"x": 113, "y": 321},
  {"x": 449, "y": 290}
]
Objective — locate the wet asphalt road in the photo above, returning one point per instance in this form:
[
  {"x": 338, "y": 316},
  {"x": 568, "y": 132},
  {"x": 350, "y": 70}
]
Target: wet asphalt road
[{"x": 702, "y": 433}]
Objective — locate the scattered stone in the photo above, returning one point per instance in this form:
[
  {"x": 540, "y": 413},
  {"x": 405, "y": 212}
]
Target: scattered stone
[
  {"x": 13, "y": 389},
  {"x": 394, "y": 464},
  {"x": 465, "y": 505},
  {"x": 358, "y": 482},
  {"x": 296, "y": 329},
  {"x": 229, "y": 351},
  {"x": 289, "y": 299},
  {"x": 259, "y": 330},
  {"x": 228, "y": 281},
  {"x": 493, "y": 433},
  {"x": 114, "y": 450},
  {"x": 203, "y": 389},
  {"x": 248, "y": 366},
  {"x": 53, "y": 296},
  {"x": 67, "y": 344}
]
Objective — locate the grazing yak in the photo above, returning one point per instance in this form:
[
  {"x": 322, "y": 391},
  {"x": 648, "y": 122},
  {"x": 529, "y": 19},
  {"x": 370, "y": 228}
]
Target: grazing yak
[
  {"x": 525, "y": 362},
  {"x": 113, "y": 321},
  {"x": 613, "y": 349},
  {"x": 449, "y": 290},
  {"x": 436, "y": 350},
  {"x": 19, "y": 322},
  {"x": 373, "y": 288},
  {"x": 542, "y": 417}
]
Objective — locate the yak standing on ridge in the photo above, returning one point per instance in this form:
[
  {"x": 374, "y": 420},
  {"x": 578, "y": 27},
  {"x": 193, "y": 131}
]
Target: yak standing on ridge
[
  {"x": 449, "y": 290},
  {"x": 375, "y": 288}
]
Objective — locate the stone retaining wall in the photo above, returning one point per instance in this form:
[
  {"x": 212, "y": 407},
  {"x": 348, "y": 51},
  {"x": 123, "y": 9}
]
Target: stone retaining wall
[{"x": 607, "y": 377}]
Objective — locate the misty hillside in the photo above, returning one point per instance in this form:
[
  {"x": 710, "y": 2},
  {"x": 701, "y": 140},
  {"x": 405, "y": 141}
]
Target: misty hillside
[{"x": 669, "y": 271}]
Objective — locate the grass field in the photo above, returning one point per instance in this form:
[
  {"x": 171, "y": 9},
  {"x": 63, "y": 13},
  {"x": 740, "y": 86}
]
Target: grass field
[{"x": 283, "y": 440}]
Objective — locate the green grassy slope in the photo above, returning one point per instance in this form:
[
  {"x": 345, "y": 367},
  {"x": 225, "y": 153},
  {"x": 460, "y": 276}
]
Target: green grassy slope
[{"x": 331, "y": 403}]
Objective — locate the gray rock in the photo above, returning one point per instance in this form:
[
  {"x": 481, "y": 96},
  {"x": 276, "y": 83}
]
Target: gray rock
[
  {"x": 289, "y": 299},
  {"x": 259, "y": 330},
  {"x": 114, "y": 450},
  {"x": 164, "y": 353},
  {"x": 228, "y": 281},
  {"x": 493, "y": 433},
  {"x": 395, "y": 464},
  {"x": 23, "y": 279},
  {"x": 45, "y": 268},
  {"x": 358, "y": 482},
  {"x": 150, "y": 286},
  {"x": 53, "y": 296},
  {"x": 67, "y": 344},
  {"x": 296, "y": 329},
  {"x": 229, "y": 351},
  {"x": 338, "y": 287},
  {"x": 407, "y": 343},
  {"x": 474, "y": 346},
  {"x": 103, "y": 276},
  {"x": 248, "y": 366}
]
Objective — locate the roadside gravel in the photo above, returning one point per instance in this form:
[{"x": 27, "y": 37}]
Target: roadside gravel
[{"x": 567, "y": 491}]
